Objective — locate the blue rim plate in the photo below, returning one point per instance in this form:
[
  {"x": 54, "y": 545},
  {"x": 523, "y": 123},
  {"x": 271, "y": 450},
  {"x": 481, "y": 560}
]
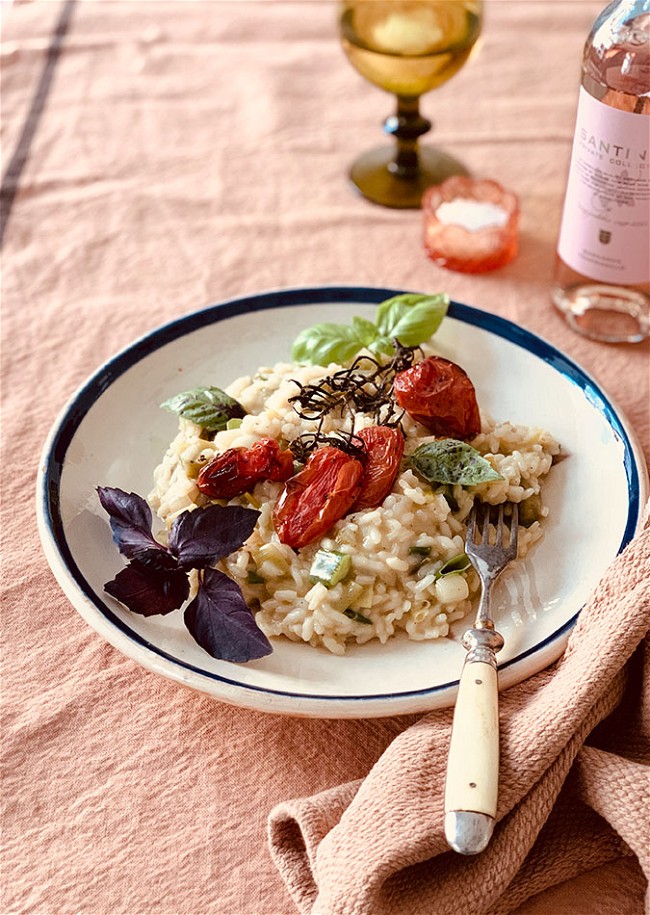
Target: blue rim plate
[{"x": 113, "y": 433}]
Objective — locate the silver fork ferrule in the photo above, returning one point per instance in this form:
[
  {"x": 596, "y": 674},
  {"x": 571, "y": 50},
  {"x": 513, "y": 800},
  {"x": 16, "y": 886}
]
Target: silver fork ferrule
[
  {"x": 483, "y": 641},
  {"x": 484, "y": 655}
]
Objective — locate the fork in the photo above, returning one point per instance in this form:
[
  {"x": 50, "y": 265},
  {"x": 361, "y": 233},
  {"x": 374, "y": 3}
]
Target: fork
[{"x": 471, "y": 788}]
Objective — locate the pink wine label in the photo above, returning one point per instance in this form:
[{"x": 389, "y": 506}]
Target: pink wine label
[{"x": 604, "y": 233}]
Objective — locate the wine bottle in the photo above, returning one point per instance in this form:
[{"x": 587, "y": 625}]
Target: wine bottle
[{"x": 602, "y": 271}]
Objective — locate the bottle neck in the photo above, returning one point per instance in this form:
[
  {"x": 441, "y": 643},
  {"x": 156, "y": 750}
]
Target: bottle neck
[
  {"x": 621, "y": 16},
  {"x": 617, "y": 55}
]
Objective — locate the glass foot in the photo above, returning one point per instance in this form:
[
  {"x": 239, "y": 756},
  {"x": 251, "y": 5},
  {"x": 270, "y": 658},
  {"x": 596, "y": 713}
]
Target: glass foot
[
  {"x": 605, "y": 313},
  {"x": 377, "y": 177}
]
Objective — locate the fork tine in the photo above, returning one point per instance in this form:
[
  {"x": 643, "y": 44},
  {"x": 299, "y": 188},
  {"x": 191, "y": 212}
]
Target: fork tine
[
  {"x": 506, "y": 528},
  {"x": 485, "y": 521},
  {"x": 471, "y": 524},
  {"x": 514, "y": 527},
  {"x": 501, "y": 528},
  {"x": 482, "y": 517}
]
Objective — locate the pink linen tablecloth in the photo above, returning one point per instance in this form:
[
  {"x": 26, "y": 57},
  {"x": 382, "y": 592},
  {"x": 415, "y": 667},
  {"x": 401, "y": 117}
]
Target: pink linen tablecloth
[{"x": 158, "y": 157}]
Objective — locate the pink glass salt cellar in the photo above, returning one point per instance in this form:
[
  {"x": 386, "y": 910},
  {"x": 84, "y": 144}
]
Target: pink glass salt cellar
[{"x": 470, "y": 225}]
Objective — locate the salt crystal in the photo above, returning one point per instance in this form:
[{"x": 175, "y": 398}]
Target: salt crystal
[{"x": 472, "y": 215}]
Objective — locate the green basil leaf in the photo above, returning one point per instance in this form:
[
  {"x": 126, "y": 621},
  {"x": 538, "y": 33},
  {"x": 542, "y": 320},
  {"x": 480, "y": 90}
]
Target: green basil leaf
[
  {"x": 210, "y": 408},
  {"x": 325, "y": 343},
  {"x": 449, "y": 461},
  {"x": 412, "y": 318},
  {"x": 419, "y": 550},
  {"x": 382, "y": 345},
  {"x": 365, "y": 329},
  {"x": 357, "y": 617}
]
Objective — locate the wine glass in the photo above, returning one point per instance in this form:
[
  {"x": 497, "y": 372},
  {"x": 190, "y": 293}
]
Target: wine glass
[{"x": 407, "y": 47}]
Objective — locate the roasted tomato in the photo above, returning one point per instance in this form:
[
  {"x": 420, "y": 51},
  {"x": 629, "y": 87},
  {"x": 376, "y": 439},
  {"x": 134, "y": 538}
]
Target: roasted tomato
[
  {"x": 439, "y": 394},
  {"x": 384, "y": 450},
  {"x": 314, "y": 499},
  {"x": 237, "y": 470}
]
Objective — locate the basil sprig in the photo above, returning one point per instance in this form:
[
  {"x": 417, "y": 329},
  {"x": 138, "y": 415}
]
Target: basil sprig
[
  {"x": 410, "y": 318},
  {"x": 447, "y": 460},
  {"x": 155, "y": 582},
  {"x": 208, "y": 407}
]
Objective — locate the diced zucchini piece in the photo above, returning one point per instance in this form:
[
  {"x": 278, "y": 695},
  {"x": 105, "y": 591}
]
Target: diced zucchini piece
[
  {"x": 530, "y": 510},
  {"x": 459, "y": 563},
  {"x": 273, "y": 554},
  {"x": 344, "y": 595},
  {"x": 365, "y": 599},
  {"x": 352, "y": 591},
  {"x": 451, "y": 589},
  {"x": 330, "y": 567}
]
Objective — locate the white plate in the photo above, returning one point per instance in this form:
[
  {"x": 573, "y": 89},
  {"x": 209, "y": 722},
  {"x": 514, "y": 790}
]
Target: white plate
[{"x": 113, "y": 433}]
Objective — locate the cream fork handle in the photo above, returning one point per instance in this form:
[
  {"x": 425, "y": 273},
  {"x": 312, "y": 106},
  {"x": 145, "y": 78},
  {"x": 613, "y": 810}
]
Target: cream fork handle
[{"x": 471, "y": 788}]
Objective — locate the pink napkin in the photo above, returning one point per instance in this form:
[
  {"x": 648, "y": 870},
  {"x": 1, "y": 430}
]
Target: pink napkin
[{"x": 574, "y": 784}]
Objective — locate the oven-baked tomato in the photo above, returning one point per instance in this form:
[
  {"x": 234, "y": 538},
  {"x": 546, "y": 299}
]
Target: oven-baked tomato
[
  {"x": 316, "y": 497},
  {"x": 439, "y": 394},
  {"x": 237, "y": 470},
  {"x": 384, "y": 450}
]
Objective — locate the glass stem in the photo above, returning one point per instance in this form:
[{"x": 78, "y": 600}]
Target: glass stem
[{"x": 406, "y": 125}]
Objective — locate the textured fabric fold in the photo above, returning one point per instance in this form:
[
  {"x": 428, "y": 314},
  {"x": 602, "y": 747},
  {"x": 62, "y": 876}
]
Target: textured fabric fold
[
  {"x": 385, "y": 849},
  {"x": 297, "y": 828}
]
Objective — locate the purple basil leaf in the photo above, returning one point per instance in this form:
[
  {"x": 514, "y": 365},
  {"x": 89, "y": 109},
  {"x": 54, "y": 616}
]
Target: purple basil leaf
[
  {"x": 158, "y": 560},
  {"x": 202, "y": 537},
  {"x": 130, "y": 520},
  {"x": 149, "y": 591},
  {"x": 222, "y": 624}
]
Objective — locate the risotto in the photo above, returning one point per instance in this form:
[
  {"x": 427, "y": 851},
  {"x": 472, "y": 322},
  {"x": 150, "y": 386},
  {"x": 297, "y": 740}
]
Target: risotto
[{"x": 406, "y": 570}]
